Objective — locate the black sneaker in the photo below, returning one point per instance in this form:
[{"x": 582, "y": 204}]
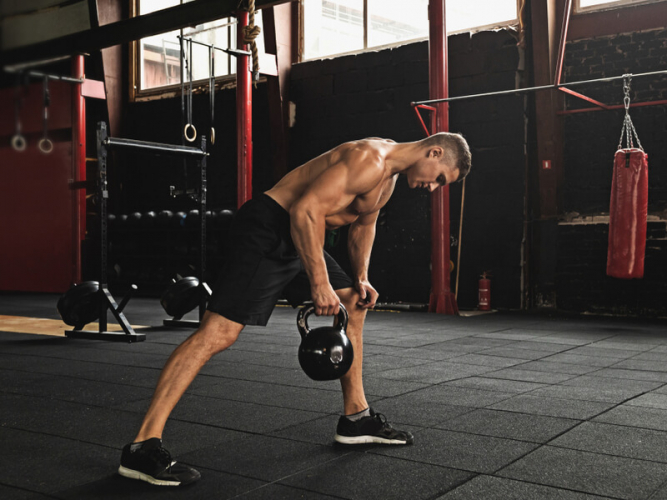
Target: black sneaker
[
  {"x": 373, "y": 429},
  {"x": 153, "y": 464}
]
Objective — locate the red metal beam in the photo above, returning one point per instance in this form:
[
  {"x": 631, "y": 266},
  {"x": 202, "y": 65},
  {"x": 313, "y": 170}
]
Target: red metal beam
[
  {"x": 78, "y": 166},
  {"x": 442, "y": 299},
  {"x": 417, "y": 107},
  {"x": 616, "y": 106},
  {"x": 582, "y": 96},
  {"x": 243, "y": 116},
  {"x": 563, "y": 38}
]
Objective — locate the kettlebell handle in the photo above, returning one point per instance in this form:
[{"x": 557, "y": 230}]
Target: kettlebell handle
[{"x": 304, "y": 312}]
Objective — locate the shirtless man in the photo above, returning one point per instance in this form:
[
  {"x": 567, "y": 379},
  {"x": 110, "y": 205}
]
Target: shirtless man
[{"x": 278, "y": 241}]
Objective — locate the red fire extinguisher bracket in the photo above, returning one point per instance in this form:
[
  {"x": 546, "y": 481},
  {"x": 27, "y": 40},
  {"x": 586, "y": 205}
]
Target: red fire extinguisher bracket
[{"x": 484, "y": 292}]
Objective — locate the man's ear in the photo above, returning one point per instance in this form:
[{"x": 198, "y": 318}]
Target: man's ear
[{"x": 435, "y": 152}]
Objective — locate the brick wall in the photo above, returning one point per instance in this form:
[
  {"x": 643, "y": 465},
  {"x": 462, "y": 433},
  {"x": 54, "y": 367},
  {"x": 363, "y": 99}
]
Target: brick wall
[{"x": 590, "y": 142}]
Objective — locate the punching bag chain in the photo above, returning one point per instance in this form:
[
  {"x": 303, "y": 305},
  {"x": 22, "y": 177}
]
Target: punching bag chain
[{"x": 628, "y": 129}]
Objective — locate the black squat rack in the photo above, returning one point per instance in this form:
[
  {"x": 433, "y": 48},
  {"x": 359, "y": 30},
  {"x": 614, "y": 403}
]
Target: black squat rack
[{"x": 107, "y": 302}]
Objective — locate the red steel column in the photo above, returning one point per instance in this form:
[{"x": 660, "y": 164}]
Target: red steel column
[
  {"x": 78, "y": 166},
  {"x": 243, "y": 116},
  {"x": 442, "y": 299}
]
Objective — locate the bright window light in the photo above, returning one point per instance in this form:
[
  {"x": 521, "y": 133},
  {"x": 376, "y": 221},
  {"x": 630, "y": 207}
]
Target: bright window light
[{"x": 338, "y": 26}]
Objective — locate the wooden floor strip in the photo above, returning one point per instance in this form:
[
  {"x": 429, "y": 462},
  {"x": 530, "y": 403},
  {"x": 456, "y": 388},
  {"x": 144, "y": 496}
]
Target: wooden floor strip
[{"x": 41, "y": 326}]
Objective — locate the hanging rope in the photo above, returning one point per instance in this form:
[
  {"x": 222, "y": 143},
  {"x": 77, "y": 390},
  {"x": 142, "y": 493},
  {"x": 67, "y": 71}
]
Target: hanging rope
[
  {"x": 458, "y": 259},
  {"x": 522, "y": 25},
  {"x": 250, "y": 33},
  {"x": 628, "y": 129}
]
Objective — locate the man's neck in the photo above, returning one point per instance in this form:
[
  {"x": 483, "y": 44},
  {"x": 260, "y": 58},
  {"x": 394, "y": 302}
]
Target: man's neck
[{"x": 402, "y": 156}]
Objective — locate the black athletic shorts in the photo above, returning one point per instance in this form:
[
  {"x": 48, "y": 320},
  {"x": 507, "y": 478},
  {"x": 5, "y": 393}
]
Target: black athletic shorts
[{"x": 262, "y": 264}]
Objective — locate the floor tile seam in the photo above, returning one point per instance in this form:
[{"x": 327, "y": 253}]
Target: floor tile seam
[
  {"x": 319, "y": 415},
  {"x": 163, "y": 357},
  {"x": 228, "y": 379},
  {"x": 462, "y": 483},
  {"x": 580, "y": 399},
  {"x": 590, "y": 374},
  {"x": 428, "y": 362},
  {"x": 247, "y": 402},
  {"x": 533, "y": 483},
  {"x": 573, "y": 348},
  {"x": 509, "y": 357},
  {"x": 457, "y": 484},
  {"x": 657, "y": 462},
  {"x": 268, "y": 382},
  {"x": 464, "y": 433},
  {"x": 48, "y": 495},
  {"x": 277, "y": 481},
  {"x": 79, "y": 378},
  {"x": 102, "y": 407},
  {"x": 657, "y": 490},
  {"x": 377, "y": 452},
  {"x": 602, "y": 368},
  {"x": 266, "y": 405},
  {"x": 580, "y": 423},
  {"x": 78, "y": 403},
  {"x": 517, "y": 367},
  {"x": 644, "y": 352},
  {"x": 626, "y": 426},
  {"x": 253, "y": 490},
  {"x": 76, "y": 440},
  {"x": 479, "y": 434}
]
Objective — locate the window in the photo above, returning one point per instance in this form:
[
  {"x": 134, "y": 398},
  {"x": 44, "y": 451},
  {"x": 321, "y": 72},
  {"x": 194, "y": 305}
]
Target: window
[
  {"x": 588, "y": 5},
  {"x": 158, "y": 63},
  {"x": 338, "y": 26}
]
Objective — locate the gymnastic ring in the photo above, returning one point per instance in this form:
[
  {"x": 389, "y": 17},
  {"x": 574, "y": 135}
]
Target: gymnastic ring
[
  {"x": 45, "y": 146},
  {"x": 212, "y": 135},
  {"x": 185, "y": 132},
  {"x": 19, "y": 143}
]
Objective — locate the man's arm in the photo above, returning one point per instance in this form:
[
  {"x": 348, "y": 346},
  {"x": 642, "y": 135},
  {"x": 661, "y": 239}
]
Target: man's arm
[
  {"x": 359, "y": 244},
  {"x": 333, "y": 191}
]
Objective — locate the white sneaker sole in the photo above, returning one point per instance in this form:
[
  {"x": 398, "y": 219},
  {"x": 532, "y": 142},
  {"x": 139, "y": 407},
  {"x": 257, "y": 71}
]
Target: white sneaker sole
[
  {"x": 133, "y": 474},
  {"x": 366, "y": 440}
]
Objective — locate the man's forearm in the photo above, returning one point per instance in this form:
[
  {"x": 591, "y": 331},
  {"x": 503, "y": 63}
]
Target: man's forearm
[
  {"x": 308, "y": 236},
  {"x": 360, "y": 243}
]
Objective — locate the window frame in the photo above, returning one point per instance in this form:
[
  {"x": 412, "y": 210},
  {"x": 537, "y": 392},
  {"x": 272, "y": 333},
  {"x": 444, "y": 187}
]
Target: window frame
[
  {"x": 374, "y": 48},
  {"x": 609, "y": 6},
  {"x": 136, "y": 94}
]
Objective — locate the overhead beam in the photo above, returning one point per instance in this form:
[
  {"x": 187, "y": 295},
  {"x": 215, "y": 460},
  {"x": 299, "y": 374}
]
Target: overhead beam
[{"x": 162, "y": 21}]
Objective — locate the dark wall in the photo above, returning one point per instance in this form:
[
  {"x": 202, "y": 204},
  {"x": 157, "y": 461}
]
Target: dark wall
[
  {"x": 149, "y": 250},
  {"x": 368, "y": 95},
  {"x": 591, "y": 140},
  {"x": 347, "y": 98}
]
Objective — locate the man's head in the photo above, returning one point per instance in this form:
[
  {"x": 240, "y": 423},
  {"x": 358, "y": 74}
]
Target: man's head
[
  {"x": 442, "y": 158},
  {"x": 452, "y": 149}
]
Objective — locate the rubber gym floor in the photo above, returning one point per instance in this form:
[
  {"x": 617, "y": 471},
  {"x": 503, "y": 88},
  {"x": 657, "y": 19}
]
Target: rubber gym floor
[{"x": 502, "y": 406}]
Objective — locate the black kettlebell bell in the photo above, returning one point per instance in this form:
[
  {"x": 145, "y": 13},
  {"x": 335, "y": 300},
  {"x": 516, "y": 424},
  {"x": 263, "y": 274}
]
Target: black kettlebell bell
[{"x": 325, "y": 353}]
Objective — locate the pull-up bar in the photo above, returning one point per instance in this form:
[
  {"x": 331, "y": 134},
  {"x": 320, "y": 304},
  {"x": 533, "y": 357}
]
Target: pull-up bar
[
  {"x": 231, "y": 52},
  {"x": 39, "y": 74},
  {"x": 153, "y": 146},
  {"x": 539, "y": 88}
]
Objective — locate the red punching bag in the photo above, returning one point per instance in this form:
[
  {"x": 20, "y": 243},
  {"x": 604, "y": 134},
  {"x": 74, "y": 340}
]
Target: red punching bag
[{"x": 629, "y": 205}]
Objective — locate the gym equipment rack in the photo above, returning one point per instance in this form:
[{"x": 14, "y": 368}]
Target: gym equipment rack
[{"x": 104, "y": 143}]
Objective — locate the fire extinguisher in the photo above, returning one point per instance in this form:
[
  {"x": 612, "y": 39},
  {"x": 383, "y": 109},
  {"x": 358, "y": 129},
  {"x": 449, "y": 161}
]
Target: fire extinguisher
[{"x": 484, "y": 293}]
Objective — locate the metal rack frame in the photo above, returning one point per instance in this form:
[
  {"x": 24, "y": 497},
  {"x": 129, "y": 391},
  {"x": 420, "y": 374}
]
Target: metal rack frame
[{"x": 107, "y": 302}]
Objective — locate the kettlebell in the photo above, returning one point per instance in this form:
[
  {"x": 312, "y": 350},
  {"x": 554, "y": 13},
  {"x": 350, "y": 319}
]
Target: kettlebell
[{"x": 325, "y": 353}]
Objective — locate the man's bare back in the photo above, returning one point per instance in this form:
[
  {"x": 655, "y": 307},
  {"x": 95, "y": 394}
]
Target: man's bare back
[{"x": 358, "y": 159}]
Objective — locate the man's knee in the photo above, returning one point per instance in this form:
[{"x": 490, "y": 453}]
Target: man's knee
[
  {"x": 217, "y": 333},
  {"x": 350, "y": 298}
]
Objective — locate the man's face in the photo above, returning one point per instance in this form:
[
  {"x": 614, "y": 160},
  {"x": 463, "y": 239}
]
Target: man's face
[{"x": 430, "y": 173}]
